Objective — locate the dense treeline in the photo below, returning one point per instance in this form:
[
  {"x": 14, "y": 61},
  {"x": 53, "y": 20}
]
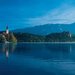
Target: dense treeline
[
  {"x": 59, "y": 37},
  {"x": 53, "y": 37},
  {"x": 25, "y": 37}
]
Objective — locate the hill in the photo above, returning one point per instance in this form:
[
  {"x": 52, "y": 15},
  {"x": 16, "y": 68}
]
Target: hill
[
  {"x": 53, "y": 37},
  {"x": 48, "y": 28}
]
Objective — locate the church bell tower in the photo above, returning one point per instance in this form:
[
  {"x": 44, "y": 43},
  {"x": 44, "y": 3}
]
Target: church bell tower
[{"x": 7, "y": 30}]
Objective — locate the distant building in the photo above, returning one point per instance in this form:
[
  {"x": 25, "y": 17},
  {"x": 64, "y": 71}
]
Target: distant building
[{"x": 7, "y": 30}]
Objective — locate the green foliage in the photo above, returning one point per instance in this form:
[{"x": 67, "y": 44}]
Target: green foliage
[
  {"x": 25, "y": 37},
  {"x": 58, "y": 37},
  {"x": 7, "y": 38},
  {"x": 2, "y": 38},
  {"x": 12, "y": 38},
  {"x": 54, "y": 37}
]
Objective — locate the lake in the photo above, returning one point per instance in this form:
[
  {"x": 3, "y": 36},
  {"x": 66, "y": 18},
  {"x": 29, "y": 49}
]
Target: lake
[{"x": 37, "y": 59}]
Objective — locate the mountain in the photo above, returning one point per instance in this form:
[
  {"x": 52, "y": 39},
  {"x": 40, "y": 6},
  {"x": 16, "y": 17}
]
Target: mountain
[{"x": 48, "y": 28}]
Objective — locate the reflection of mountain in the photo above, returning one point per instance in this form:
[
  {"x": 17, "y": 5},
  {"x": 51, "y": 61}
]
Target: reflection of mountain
[
  {"x": 58, "y": 47},
  {"x": 59, "y": 51},
  {"x": 40, "y": 51},
  {"x": 48, "y": 28},
  {"x": 46, "y": 51}
]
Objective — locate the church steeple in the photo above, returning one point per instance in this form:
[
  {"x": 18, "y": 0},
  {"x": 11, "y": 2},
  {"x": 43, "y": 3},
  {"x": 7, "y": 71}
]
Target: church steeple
[{"x": 7, "y": 31}]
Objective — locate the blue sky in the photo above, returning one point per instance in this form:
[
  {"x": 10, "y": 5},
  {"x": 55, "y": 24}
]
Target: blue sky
[{"x": 27, "y": 13}]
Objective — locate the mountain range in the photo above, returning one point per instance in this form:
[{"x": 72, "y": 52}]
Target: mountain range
[{"x": 48, "y": 28}]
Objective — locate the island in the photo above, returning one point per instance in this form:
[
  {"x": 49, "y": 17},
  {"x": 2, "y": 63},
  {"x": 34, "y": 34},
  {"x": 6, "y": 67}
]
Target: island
[{"x": 6, "y": 36}]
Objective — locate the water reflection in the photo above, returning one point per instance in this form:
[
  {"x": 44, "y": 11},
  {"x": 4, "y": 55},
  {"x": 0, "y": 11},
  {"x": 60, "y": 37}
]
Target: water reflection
[
  {"x": 8, "y": 48},
  {"x": 42, "y": 51},
  {"x": 61, "y": 51},
  {"x": 70, "y": 48},
  {"x": 46, "y": 51},
  {"x": 38, "y": 59},
  {"x": 59, "y": 47}
]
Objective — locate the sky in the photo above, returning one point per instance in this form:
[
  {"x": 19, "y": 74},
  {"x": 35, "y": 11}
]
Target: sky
[{"x": 27, "y": 13}]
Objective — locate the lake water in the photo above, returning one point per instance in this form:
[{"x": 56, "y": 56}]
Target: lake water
[{"x": 37, "y": 59}]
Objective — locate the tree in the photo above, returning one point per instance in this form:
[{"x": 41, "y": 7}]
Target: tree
[{"x": 12, "y": 38}]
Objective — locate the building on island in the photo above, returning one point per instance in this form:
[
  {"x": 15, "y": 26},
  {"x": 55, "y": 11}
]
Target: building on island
[{"x": 7, "y": 30}]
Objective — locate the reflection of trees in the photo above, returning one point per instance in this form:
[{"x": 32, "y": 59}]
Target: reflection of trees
[
  {"x": 58, "y": 47},
  {"x": 8, "y": 48},
  {"x": 59, "y": 50}
]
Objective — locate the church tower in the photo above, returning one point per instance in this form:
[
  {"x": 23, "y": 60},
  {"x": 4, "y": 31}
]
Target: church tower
[{"x": 7, "y": 30}]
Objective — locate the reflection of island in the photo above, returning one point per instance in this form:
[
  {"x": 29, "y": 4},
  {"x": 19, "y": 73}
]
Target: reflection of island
[{"x": 8, "y": 48}]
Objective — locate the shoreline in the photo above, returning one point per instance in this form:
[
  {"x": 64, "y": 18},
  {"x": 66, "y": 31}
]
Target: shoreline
[
  {"x": 48, "y": 42},
  {"x": 42, "y": 42}
]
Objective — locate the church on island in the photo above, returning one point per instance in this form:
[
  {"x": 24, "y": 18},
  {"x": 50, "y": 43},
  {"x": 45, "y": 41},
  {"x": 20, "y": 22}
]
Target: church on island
[
  {"x": 7, "y": 30},
  {"x": 6, "y": 36}
]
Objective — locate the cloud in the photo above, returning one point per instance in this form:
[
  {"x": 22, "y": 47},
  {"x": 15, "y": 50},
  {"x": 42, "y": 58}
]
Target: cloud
[{"x": 65, "y": 14}]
